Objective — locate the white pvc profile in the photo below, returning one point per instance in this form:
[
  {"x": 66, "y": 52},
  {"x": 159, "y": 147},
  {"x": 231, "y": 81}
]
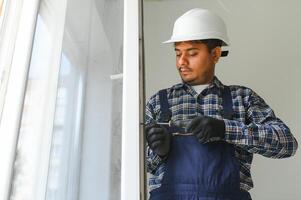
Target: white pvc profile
[
  {"x": 8, "y": 32},
  {"x": 12, "y": 109},
  {"x": 3, "y": 4},
  {"x": 49, "y": 31},
  {"x": 130, "y": 105}
]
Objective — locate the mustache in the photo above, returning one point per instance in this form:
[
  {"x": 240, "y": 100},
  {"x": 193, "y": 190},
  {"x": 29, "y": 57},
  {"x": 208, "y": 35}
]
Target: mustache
[{"x": 183, "y": 68}]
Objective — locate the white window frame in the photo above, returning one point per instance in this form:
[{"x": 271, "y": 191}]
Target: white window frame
[
  {"x": 24, "y": 27},
  {"x": 8, "y": 32},
  {"x": 16, "y": 79},
  {"x": 3, "y": 8},
  {"x": 132, "y": 165},
  {"x": 16, "y": 86}
]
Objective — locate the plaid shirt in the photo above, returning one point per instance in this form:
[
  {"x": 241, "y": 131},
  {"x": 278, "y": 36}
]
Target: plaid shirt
[{"x": 253, "y": 129}]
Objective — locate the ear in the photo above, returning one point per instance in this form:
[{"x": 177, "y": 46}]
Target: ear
[{"x": 216, "y": 54}]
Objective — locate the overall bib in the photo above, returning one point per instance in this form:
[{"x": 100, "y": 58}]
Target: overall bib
[{"x": 196, "y": 171}]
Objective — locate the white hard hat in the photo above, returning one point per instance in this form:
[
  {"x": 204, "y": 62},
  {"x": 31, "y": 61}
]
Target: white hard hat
[{"x": 199, "y": 24}]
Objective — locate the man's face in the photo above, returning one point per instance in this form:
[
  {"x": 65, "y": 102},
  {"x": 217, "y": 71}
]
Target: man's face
[{"x": 195, "y": 63}]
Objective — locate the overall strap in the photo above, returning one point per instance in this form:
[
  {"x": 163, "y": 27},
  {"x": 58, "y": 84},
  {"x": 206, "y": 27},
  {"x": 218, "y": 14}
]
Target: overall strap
[
  {"x": 165, "y": 112},
  {"x": 227, "y": 103}
]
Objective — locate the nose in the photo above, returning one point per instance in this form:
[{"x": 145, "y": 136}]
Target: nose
[{"x": 182, "y": 60}]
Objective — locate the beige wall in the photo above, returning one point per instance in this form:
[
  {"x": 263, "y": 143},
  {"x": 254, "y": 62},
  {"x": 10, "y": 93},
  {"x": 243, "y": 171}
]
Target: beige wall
[{"x": 264, "y": 55}]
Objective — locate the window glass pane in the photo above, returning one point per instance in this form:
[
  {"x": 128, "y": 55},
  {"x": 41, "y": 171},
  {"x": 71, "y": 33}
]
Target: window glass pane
[
  {"x": 27, "y": 164},
  {"x": 65, "y": 149},
  {"x": 86, "y": 144},
  {"x": 71, "y": 118}
]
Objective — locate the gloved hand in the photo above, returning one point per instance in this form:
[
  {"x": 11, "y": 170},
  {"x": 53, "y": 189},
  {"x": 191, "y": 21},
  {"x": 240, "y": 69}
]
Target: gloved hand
[
  {"x": 158, "y": 139},
  {"x": 207, "y": 129}
]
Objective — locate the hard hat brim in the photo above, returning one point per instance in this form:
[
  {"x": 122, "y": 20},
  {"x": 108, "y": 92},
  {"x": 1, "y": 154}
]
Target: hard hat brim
[
  {"x": 224, "y": 52},
  {"x": 173, "y": 40}
]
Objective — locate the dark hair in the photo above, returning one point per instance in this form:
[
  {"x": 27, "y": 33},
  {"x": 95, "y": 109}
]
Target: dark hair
[{"x": 210, "y": 43}]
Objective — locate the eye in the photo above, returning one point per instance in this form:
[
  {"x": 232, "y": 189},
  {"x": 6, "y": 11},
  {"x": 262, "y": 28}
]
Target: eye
[{"x": 192, "y": 53}]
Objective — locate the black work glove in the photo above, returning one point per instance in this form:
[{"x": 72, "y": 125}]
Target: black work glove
[
  {"x": 207, "y": 129},
  {"x": 158, "y": 139}
]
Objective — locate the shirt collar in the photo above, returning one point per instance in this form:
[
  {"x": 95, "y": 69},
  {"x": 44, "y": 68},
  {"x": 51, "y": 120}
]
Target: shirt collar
[
  {"x": 214, "y": 87},
  {"x": 216, "y": 83}
]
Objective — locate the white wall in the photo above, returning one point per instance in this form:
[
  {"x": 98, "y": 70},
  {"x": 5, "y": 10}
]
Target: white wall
[{"x": 264, "y": 52}]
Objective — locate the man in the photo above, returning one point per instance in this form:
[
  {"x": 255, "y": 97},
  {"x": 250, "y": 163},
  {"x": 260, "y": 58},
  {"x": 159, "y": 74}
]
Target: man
[{"x": 215, "y": 129}]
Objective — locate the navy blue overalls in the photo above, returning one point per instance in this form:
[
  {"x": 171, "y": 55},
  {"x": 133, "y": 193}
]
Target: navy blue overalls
[{"x": 196, "y": 171}]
